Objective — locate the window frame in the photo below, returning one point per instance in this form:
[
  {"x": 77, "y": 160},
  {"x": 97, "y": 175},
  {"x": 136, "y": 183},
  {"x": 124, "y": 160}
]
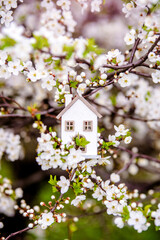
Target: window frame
[
  {"x": 83, "y": 151},
  {"x": 69, "y": 130},
  {"x": 86, "y": 125}
]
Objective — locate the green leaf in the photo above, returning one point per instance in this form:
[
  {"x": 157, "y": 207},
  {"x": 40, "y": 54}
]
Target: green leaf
[
  {"x": 97, "y": 95},
  {"x": 114, "y": 60},
  {"x": 100, "y": 130},
  {"x": 55, "y": 145},
  {"x": 81, "y": 141},
  {"x": 38, "y": 116},
  {"x": 155, "y": 7},
  {"x": 158, "y": 63},
  {"x": 69, "y": 51},
  {"x": 7, "y": 42},
  {"x": 73, "y": 84},
  {"x": 49, "y": 60},
  {"x": 113, "y": 100},
  {"x": 145, "y": 28},
  {"x": 125, "y": 213},
  {"x": 52, "y": 181},
  {"x": 157, "y": 228},
  {"x": 9, "y": 58},
  {"x": 54, "y": 189},
  {"x": 77, "y": 187},
  {"x": 50, "y": 129},
  {"x": 147, "y": 95},
  {"x": 40, "y": 43},
  {"x": 92, "y": 47},
  {"x": 110, "y": 71},
  {"x": 73, "y": 227},
  {"x": 106, "y": 145},
  {"x": 146, "y": 208},
  {"x": 57, "y": 64},
  {"x": 77, "y": 141}
]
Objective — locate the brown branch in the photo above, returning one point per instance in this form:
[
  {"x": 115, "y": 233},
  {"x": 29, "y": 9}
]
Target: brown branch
[
  {"x": 148, "y": 66},
  {"x": 141, "y": 155},
  {"x": 14, "y": 116},
  {"x": 18, "y": 232},
  {"x": 115, "y": 67},
  {"x": 83, "y": 61},
  {"x": 125, "y": 115},
  {"x": 97, "y": 89},
  {"x": 141, "y": 74},
  {"x": 12, "y": 100},
  {"x": 144, "y": 58},
  {"x": 134, "y": 50},
  {"x": 52, "y": 210},
  {"x": 126, "y": 166}
]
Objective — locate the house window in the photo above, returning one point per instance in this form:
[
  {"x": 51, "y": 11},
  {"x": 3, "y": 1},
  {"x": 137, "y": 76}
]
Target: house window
[
  {"x": 87, "y": 126},
  {"x": 83, "y": 149},
  {"x": 69, "y": 126}
]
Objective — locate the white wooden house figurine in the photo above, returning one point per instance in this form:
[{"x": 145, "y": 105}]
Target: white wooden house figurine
[{"x": 80, "y": 117}]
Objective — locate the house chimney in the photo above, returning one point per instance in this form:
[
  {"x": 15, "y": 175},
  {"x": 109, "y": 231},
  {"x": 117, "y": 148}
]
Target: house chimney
[{"x": 68, "y": 99}]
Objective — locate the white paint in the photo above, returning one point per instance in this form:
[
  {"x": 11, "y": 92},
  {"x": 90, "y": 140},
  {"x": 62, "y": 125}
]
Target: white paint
[
  {"x": 78, "y": 113},
  {"x": 68, "y": 99}
]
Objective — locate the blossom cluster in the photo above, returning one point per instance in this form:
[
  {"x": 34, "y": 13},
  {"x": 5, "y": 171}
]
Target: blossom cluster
[
  {"x": 95, "y": 5},
  {"x": 52, "y": 153},
  {"x": 47, "y": 61},
  {"x": 8, "y": 197},
  {"x": 6, "y": 12},
  {"x": 10, "y": 145},
  {"x": 118, "y": 201},
  {"x": 42, "y": 218}
]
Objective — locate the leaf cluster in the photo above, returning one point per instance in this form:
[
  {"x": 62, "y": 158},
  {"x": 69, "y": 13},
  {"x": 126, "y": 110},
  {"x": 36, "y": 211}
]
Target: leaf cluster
[
  {"x": 40, "y": 42},
  {"x": 53, "y": 183},
  {"x": 81, "y": 141}
]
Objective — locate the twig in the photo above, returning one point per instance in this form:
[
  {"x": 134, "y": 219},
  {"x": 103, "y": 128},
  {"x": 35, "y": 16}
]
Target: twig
[
  {"x": 134, "y": 50},
  {"x": 61, "y": 195},
  {"x": 14, "y": 101},
  {"x": 141, "y": 74},
  {"x": 126, "y": 166},
  {"x": 141, "y": 155},
  {"x": 18, "y": 232},
  {"x": 14, "y": 115},
  {"x": 125, "y": 115}
]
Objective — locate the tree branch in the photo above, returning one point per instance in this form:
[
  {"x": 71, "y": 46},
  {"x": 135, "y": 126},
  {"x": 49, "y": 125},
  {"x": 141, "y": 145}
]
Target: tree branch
[
  {"x": 134, "y": 50},
  {"x": 18, "y": 232}
]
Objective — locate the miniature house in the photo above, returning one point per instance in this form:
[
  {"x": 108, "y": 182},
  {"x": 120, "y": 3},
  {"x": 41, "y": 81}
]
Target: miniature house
[{"x": 80, "y": 117}]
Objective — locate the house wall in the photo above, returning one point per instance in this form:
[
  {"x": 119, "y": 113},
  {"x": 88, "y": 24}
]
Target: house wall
[{"x": 78, "y": 113}]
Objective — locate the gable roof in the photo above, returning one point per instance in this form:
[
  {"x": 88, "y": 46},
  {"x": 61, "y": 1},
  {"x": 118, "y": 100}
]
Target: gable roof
[{"x": 75, "y": 100}]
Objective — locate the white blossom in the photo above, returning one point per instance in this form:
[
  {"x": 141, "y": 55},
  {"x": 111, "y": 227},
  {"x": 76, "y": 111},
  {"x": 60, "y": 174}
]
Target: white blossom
[
  {"x": 64, "y": 184},
  {"x": 46, "y": 220},
  {"x": 78, "y": 199},
  {"x": 115, "y": 177}
]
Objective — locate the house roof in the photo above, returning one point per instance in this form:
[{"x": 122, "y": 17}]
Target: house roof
[{"x": 84, "y": 101}]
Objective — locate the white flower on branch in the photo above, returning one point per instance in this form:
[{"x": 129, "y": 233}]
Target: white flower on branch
[
  {"x": 46, "y": 220},
  {"x": 138, "y": 220},
  {"x": 64, "y": 184},
  {"x": 119, "y": 222},
  {"x": 127, "y": 140},
  {"x": 115, "y": 177},
  {"x": 156, "y": 77},
  {"x": 15, "y": 67},
  {"x": 120, "y": 130},
  {"x": 78, "y": 200}
]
